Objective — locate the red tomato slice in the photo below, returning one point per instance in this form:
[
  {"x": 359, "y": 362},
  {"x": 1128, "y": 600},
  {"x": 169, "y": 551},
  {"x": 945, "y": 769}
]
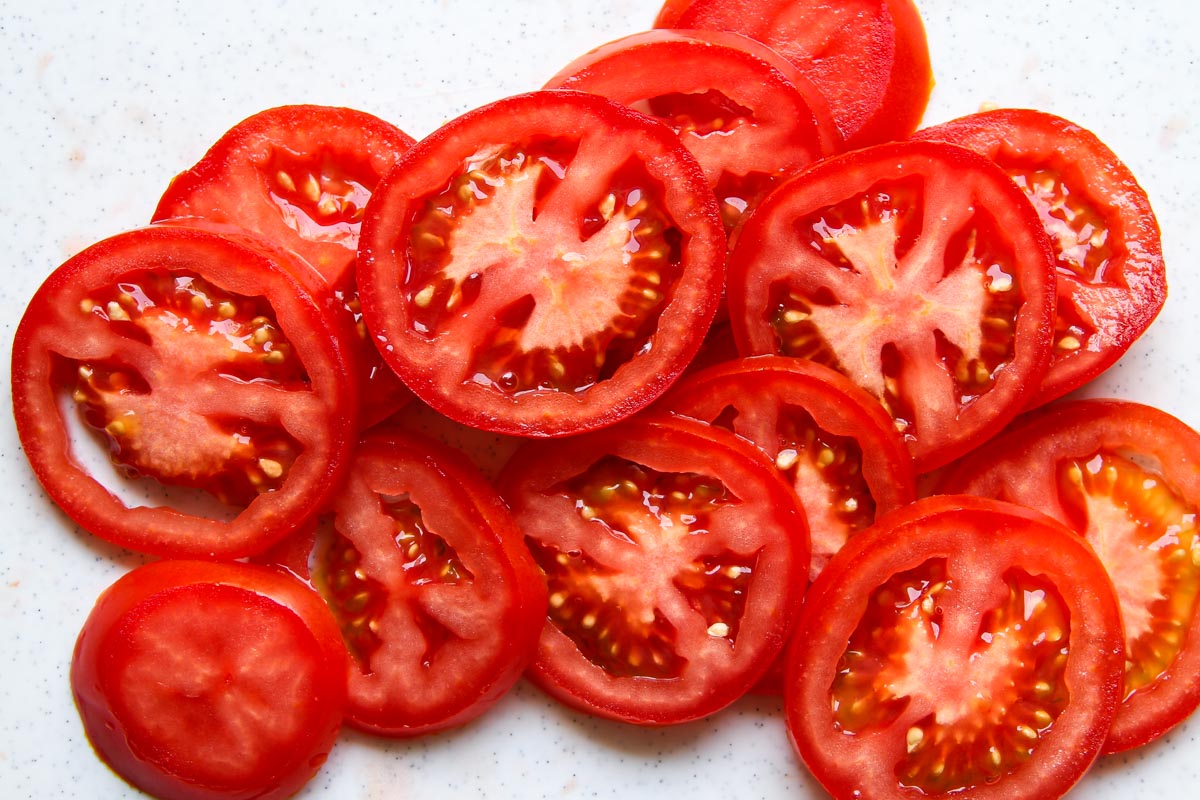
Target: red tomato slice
[
  {"x": 205, "y": 681},
  {"x": 1111, "y": 279},
  {"x": 868, "y": 57},
  {"x": 1127, "y": 478},
  {"x": 919, "y": 270},
  {"x": 439, "y": 601},
  {"x": 200, "y": 363},
  {"x": 746, "y": 114},
  {"x": 675, "y": 558},
  {"x": 300, "y": 177},
  {"x": 543, "y": 265},
  {"x": 961, "y": 647}
]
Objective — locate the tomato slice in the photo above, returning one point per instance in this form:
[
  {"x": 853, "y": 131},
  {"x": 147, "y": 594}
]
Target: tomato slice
[
  {"x": 1125, "y": 477},
  {"x": 675, "y": 558},
  {"x": 209, "y": 681},
  {"x": 868, "y": 57},
  {"x": 300, "y": 176},
  {"x": 543, "y": 265},
  {"x": 959, "y": 647},
  {"x": 200, "y": 363},
  {"x": 746, "y": 114},
  {"x": 919, "y": 270},
  {"x": 1111, "y": 279},
  {"x": 438, "y": 600}
]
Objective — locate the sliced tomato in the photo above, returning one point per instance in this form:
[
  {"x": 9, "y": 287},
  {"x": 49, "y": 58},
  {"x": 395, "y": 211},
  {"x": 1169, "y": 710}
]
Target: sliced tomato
[
  {"x": 746, "y": 113},
  {"x": 868, "y": 57},
  {"x": 919, "y": 270},
  {"x": 543, "y": 265},
  {"x": 1127, "y": 478},
  {"x": 210, "y": 681},
  {"x": 299, "y": 177},
  {"x": 960, "y": 647},
  {"x": 439, "y": 602},
  {"x": 675, "y": 558},
  {"x": 1111, "y": 279},
  {"x": 198, "y": 363}
]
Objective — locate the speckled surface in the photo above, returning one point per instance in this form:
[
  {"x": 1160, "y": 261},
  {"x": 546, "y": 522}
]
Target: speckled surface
[{"x": 100, "y": 104}]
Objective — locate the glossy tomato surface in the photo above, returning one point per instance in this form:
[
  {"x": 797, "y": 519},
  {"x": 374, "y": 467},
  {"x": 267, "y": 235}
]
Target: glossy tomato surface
[
  {"x": 917, "y": 269},
  {"x": 543, "y": 265},
  {"x": 209, "y": 375},
  {"x": 210, "y": 681},
  {"x": 1127, "y": 478},
  {"x": 674, "y": 557},
  {"x": 961, "y": 647},
  {"x": 1108, "y": 252}
]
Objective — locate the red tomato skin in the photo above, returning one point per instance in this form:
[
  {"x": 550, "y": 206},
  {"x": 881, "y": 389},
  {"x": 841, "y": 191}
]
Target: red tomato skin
[
  {"x": 1019, "y": 465},
  {"x": 164, "y": 531},
  {"x": 1134, "y": 284},
  {"x": 903, "y": 539},
  {"x": 146, "y": 770}
]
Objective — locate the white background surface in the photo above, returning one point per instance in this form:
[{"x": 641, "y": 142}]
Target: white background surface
[{"x": 100, "y": 104}]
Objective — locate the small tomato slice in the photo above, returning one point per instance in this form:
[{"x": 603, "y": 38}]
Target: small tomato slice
[
  {"x": 868, "y": 57},
  {"x": 746, "y": 114},
  {"x": 543, "y": 265},
  {"x": 210, "y": 681},
  {"x": 199, "y": 363},
  {"x": 1127, "y": 478},
  {"x": 1111, "y": 279},
  {"x": 960, "y": 646},
  {"x": 675, "y": 558},
  {"x": 917, "y": 269}
]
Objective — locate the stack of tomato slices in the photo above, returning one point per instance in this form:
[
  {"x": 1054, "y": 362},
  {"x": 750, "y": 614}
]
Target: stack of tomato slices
[{"x": 742, "y": 308}]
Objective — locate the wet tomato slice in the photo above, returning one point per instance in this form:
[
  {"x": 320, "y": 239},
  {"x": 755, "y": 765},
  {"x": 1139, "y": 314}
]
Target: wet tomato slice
[
  {"x": 300, "y": 176},
  {"x": 675, "y": 559},
  {"x": 961, "y": 646},
  {"x": 439, "y": 602},
  {"x": 209, "y": 681},
  {"x": 203, "y": 367},
  {"x": 868, "y": 57},
  {"x": 917, "y": 269},
  {"x": 1111, "y": 278},
  {"x": 543, "y": 265},
  {"x": 746, "y": 113},
  {"x": 1125, "y": 477}
]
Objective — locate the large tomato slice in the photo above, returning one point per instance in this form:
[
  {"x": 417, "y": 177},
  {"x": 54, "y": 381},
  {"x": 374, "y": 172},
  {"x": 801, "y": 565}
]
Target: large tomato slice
[
  {"x": 675, "y": 558},
  {"x": 543, "y": 265},
  {"x": 207, "y": 681},
  {"x": 439, "y": 601},
  {"x": 919, "y": 270},
  {"x": 869, "y": 57},
  {"x": 1111, "y": 279},
  {"x": 747, "y": 114},
  {"x": 961, "y": 647},
  {"x": 200, "y": 363},
  {"x": 1127, "y": 478}
]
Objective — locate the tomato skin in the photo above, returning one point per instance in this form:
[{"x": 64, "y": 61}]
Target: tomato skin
[
  {"x": 1026, "y": 465},
  {"x": 140, "y": 744},
  {"x": 1103, "y": 307},
  {"x": 55, "y": 327},
  {"x": 971, "y": 534},
  {"x": 760, "y": 522},
  {"x": 438, "y": 365}
]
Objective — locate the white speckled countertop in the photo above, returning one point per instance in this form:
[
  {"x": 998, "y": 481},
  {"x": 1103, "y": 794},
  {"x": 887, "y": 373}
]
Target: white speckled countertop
[{"x": 100, "y": 104}]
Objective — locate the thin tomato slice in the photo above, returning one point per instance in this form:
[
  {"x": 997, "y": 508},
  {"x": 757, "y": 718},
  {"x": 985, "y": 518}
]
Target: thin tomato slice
[
  {"x": 1125, "y": 477},
  {"x": 961, "y": 646},
  {"x": 1111, "y": 278},
  {"x": 543, "y": 265},
  {"x": 917, "y": 269},
  {"x": 675, "y": 558},
  {"x": 203, "y": 681}
]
